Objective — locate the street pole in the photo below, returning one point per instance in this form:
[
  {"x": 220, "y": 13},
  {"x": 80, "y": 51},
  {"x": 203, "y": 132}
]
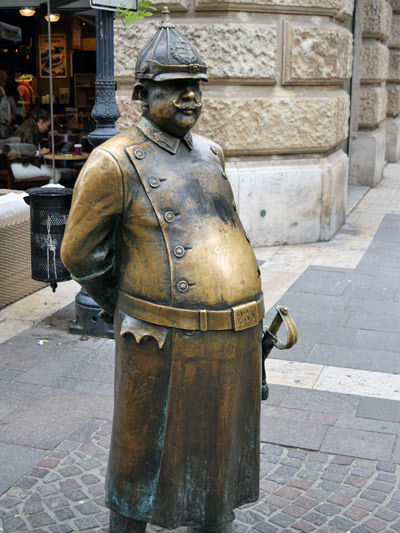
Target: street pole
[{"x": 105, "y": 112}]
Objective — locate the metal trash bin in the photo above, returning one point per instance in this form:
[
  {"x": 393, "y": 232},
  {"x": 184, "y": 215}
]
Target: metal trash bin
[{"x": 49, "y": 212}]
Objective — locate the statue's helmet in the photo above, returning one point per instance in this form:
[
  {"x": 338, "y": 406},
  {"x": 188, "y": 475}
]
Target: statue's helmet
[{"x": 169, "y": 56}]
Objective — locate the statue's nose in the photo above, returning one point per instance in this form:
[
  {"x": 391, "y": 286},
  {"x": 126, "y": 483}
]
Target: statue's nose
[{"x": 189, "y": 95}]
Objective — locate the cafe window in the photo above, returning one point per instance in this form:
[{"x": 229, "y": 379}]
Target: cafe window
[{"x": 26, "y": 61}]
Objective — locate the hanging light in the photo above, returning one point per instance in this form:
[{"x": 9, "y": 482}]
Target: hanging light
[
  {"x": 54, "y": 17},
  {"x": 27, "y": 11}
]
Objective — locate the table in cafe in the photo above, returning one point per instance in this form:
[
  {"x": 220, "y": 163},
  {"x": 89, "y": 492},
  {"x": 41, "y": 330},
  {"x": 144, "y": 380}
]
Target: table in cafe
[
  {"x": 69, "y": 165},
  {"x": 61, "y": 159}
]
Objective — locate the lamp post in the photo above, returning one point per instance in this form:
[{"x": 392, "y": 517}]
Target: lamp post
[{"x": 105, "y": 112}]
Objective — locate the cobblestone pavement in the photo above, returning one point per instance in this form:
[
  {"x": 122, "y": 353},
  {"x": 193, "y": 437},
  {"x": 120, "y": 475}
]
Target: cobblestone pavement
[{"x": 300, "y": 491}]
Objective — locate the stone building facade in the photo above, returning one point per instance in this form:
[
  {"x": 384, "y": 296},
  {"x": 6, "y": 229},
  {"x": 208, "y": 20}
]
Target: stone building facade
[{"x": 278, "y": 102}]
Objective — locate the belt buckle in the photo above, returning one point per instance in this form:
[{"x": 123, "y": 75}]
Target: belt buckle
[{"x": 245, "y": 316}]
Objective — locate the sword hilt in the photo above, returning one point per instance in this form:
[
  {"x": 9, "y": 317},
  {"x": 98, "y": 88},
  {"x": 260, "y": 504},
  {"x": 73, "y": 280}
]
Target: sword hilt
[{"x": 270, "y": 340}]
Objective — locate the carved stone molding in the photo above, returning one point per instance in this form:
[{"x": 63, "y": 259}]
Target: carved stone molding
[{"x": 341, "y": 9}]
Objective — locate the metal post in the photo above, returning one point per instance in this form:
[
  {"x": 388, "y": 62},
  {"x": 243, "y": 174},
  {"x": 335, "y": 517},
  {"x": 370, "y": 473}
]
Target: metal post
[
  {"x": 51, "y": 90},
  {"x": 105, "y": 112}
]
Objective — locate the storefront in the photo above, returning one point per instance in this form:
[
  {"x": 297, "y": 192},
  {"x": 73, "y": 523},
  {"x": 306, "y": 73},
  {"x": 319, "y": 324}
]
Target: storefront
[{"x": 24, "y": 56}]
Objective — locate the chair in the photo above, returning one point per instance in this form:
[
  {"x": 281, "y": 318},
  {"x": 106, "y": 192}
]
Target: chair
[{"x": 7, "y": 178}]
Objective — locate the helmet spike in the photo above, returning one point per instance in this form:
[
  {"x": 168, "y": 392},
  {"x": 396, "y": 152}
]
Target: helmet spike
[{"x": 166, "y": 21}]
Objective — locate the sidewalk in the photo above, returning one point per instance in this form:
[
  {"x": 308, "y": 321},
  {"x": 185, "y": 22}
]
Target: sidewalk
[{"x": 330, "y": 429}]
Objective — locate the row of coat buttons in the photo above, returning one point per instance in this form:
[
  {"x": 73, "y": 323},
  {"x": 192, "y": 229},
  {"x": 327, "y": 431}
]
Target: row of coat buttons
[{"x": 179, "y": 251}]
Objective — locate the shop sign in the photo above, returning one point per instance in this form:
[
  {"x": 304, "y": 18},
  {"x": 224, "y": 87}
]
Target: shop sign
[
  {"x": 112, "y": 5},
  {"x": 75, "y": 38}
]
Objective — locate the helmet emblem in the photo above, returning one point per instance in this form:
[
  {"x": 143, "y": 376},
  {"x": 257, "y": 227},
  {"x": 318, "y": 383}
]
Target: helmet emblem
[{"x": 182, "y": 51}]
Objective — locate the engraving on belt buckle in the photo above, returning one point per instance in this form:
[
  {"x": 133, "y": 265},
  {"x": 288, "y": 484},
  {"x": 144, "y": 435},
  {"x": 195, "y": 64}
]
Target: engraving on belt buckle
[{"x": 245, "y": 316}]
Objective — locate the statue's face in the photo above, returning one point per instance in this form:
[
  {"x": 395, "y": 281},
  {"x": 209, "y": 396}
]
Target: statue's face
[{"x": 173, "y": 105}]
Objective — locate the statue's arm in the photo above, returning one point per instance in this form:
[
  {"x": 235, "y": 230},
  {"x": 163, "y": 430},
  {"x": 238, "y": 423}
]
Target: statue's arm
[{"x": 88, "y": 245}]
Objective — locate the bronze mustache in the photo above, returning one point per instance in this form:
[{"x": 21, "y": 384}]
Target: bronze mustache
[{"x": 191, "y": 105}]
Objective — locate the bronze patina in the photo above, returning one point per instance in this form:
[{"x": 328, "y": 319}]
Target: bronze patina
[{"x": 154, "y": 237}]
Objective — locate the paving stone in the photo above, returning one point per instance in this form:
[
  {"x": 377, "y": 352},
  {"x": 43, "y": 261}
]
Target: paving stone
[
  {"x": 341, "y": 524},
  {"x": 11, "y": 524},
  {"x": 380, "y": 486},
  {"x": 393, "y": 505},
  {"x": 56, "y": 502},
  {"x": 315, "y": 518},
  {"x": 386, "y": 467},
  {"x": 61, "y": 528},
  {"x": 388, "y": 478},
  {"x": 282, "y": 474},
  {"x": 288, "y": 492},
  {"x": 304, "y": 501},
  {"x": 301, "y": 525},
  {"x": 64, "y": 513},
  {"x": 373, "y": 495},
  {"x": 327, "y": 509},
  {"x": 300, "y": 483},
  {"x": 86, "y": 523},
  {"x": 282, "y": 520},
  {"x": 263, "y": 527},
  {"x": 356, "y": 514},
  {"x": 379, "y": 409},
  {"x": 356, "y": 443},
  {"x": 356, "y": 481},
  {"x": 361, "y": 529},
  {"x": 385, "y": 514},
  {"x": 294, "y": 510},
  {"x": 16, "y": 461},
  {"x": 375, "y": 524},
  {"x": 368, "y": 505},
  {"x": 339, "y": 499},
  {"x": 292, "y": 433},
  {"x": 40, "y": 519}
]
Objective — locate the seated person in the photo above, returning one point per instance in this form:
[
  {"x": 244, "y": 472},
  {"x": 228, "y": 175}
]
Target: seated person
[{"x": 29, "y": 163}]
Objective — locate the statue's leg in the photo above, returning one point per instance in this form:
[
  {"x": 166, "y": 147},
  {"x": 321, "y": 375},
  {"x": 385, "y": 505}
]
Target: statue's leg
[{"x": 121, "y": 524}]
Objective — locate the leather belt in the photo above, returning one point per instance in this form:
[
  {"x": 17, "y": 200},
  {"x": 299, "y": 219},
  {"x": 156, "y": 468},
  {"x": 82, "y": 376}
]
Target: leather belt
[{"x": 238, "y": 318}]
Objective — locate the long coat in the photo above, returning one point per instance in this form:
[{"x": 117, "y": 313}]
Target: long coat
[{"x": 153, "y": 218}]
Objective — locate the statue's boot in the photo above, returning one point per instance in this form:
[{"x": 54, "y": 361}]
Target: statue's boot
[
  {"x": 226, "y": 527},
  {"x": 122, "y": 524}
]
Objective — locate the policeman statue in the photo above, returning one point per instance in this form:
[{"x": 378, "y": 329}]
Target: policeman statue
[{"x": 153, "y": 235}]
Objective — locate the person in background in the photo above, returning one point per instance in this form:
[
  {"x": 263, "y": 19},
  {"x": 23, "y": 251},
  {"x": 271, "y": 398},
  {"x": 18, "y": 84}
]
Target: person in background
[
  {"x": 27, "y": 160},
  {"x": 17, "y": 106},
  {"x": 27, "y": 85},
  {"x": 5, "y": 111}
]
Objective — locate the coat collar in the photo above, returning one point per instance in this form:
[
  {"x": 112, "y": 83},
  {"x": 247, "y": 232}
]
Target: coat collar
[{"x": 163, "y": 139}]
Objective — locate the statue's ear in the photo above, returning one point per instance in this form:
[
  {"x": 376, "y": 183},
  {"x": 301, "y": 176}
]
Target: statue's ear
[{"x": 139, "y": 92}]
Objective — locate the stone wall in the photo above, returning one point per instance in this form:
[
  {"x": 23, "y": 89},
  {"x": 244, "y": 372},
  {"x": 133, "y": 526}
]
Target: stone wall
[
  {"x": 392, "y": 123},
  {"x": 375, "y": 96},
  {"x": 274, "y": 101}
]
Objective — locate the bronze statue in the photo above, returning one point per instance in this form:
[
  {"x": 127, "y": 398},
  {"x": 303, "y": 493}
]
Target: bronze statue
[{"x": 154, "y": 237}]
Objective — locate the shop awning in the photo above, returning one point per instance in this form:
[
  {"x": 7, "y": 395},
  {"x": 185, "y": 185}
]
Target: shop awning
[
  {"x": 55, "y": 4},
  {"x": 10, "y": 33}
]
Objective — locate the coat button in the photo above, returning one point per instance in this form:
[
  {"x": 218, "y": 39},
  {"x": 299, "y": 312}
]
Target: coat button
[
  {"x": 179, "y": 251},
  {"x": 154, "y": 182},
  {"x": 169, "y": 216},
  {"x": 183, "y": 285},
  {"x": 214, "y": 149},
  {"x": 139, "y": 153}
]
